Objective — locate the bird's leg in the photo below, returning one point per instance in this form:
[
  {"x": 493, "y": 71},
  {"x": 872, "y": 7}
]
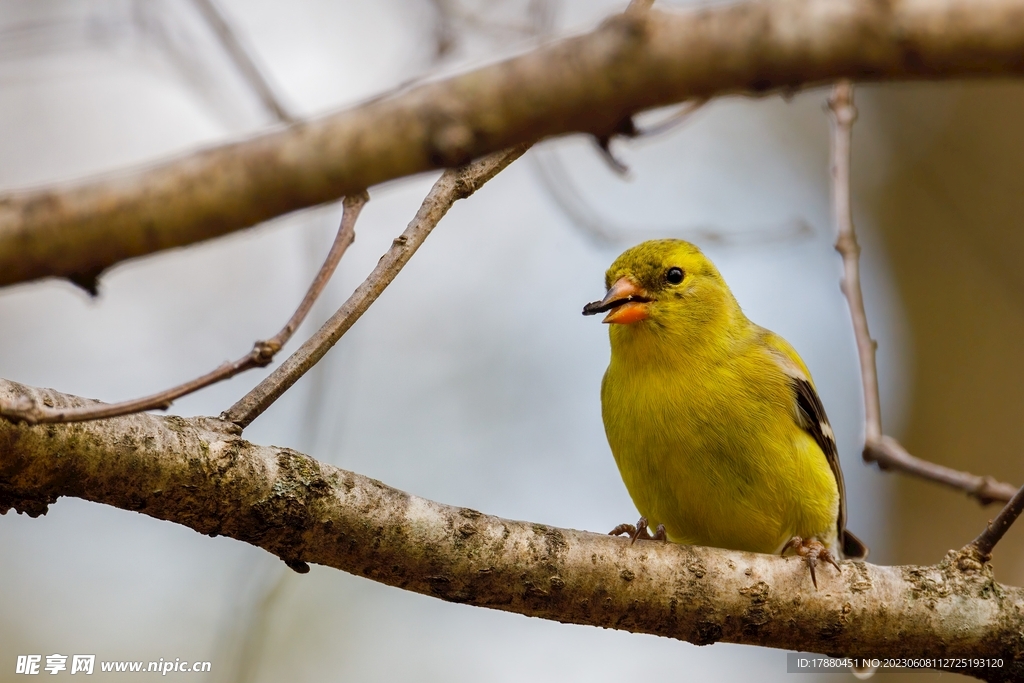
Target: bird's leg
[
  {"x": 640, "y": 531},
  {"x": 811, "y": 550}
]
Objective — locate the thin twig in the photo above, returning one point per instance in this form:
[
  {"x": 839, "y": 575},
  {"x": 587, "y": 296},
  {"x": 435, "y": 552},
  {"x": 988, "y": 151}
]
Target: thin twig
[
  {"x": 453, "y": 185},
  {"x": 244, "y": 62},
  {"x": 995, "y": 529},
  {"x": 844, "y": 113},
  {"x": 878, "y": 447},
  {"x": 555, "y": 178},
  {"x": 677, "y": 118},
  {"x": 352, "y": 206},
  {"x": 603, "y": 147},
  {"x": 263, "y": 352},
  {"x": 890, "y": 455},
  {"x": 639, "y": 5}
]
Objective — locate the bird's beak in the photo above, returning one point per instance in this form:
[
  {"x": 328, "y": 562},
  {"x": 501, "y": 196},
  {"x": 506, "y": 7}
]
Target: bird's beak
[{"x": 626, "y": 303}]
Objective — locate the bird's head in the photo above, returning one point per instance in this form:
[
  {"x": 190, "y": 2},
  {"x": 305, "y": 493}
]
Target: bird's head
[{"x": 667, "y": 285}]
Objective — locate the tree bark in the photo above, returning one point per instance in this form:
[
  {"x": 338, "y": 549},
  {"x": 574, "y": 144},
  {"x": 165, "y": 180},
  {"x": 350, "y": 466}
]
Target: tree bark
[
  {"x": 590, "y": 83},
  {"x": 198, "y": 472}
]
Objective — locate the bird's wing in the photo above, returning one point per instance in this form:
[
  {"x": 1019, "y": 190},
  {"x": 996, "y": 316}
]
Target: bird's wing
[{"x": 810, "y": 415}]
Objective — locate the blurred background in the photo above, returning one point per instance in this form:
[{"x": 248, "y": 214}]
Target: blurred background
[{"x": 489, "y": 399}]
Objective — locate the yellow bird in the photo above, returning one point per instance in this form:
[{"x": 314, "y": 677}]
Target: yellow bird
[{"x": 714, "y": 422}]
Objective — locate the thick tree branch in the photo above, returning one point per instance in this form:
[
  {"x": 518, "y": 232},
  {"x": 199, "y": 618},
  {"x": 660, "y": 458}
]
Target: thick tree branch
[
  {"x": 199, "y": 473},
  {"x": 590, "y": 83},
  {"x": 452, "y": 186}
]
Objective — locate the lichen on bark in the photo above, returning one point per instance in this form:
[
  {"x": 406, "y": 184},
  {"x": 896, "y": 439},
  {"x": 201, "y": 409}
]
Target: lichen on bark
[{"x": 201, "y": 473}]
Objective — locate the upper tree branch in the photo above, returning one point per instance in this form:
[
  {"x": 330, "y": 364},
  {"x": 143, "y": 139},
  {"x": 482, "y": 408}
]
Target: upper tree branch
[
  {"x": 199, "y": 473},
  {"x": 590, "y": 83}
]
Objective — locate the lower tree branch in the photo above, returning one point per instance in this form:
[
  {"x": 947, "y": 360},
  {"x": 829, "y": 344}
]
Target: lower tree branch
[{"x": 200, "y": 473}]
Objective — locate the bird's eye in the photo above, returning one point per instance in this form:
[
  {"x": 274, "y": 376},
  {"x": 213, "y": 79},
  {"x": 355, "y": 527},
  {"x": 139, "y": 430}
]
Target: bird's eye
[{"x": 674, "y": 275}]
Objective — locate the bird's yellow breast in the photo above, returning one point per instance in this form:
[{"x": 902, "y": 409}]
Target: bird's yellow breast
[{"x": 707, "y": 443}]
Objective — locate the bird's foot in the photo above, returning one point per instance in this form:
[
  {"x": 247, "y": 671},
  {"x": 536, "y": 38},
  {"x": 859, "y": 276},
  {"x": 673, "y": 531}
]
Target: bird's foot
[
  {"x": 812, "y": 550},
  {"x": 640, "y": 531}
]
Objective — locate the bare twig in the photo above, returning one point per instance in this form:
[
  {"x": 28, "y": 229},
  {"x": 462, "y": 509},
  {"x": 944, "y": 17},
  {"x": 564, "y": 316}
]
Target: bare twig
[
  {"x": 676, "y": 118},
  {"x": 588, "y": 83},
  {"x": 987, "y": 539},
  {"x": 352, "y": 207},
  {"x": 27, "y": 410},
  {"x": 878, "y": 447},
  {"x": 198, "y": 472},
  {"x": 243, "y": 60},
  {"x": 451, "y": 12},
  {"x": 556, "y": 179},
  {"x": 890, "y": 455},
  {"x": 604, "y": 150},
  {"x": 844, "y": 113},
  {"x": 453, "y": 185},
  {"x": 639, "y": 5}
]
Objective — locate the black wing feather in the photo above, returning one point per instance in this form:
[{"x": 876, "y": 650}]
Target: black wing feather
[{"x": 815, "y": 422}]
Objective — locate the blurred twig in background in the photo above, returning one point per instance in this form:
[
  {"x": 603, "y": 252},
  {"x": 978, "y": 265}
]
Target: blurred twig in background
[
  {"x": 242, "y": 59},
  {"x": 564, "y": 190}
]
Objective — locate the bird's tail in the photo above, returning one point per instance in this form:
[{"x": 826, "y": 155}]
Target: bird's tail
[{"x": 853, "y": 547}]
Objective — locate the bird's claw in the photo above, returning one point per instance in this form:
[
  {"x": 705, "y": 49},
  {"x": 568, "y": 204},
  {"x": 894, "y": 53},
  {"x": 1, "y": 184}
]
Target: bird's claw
[
  {"x": 640, "y": 530},
  {"x": 628, "y": 529},
  {"x": 812, "y": 550}
]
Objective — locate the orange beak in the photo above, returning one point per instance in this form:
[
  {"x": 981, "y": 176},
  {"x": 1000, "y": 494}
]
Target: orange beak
[{"x": 626, "y": 303}]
